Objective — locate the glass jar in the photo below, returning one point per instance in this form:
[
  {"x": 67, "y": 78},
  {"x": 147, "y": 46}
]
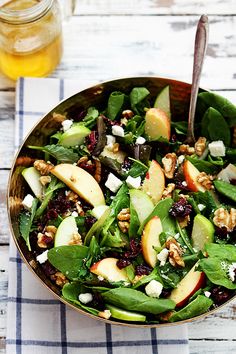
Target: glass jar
[{"x": 30, "y": 37}]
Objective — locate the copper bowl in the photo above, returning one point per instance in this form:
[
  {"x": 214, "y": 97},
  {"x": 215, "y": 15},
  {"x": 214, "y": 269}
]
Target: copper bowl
[{"x": 93, "y": 96}]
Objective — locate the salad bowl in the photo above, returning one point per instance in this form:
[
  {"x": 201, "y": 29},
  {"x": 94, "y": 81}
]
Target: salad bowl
[{"x": 134, "y": 258}]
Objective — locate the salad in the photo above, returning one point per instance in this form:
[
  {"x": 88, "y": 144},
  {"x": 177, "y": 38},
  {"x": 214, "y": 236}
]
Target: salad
[{"x": 129, "y": 221}]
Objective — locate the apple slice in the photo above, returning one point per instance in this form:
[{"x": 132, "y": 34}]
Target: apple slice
[
  {"x": 163, "y": 100},
  {"x": 108, "y": 269},
  {"x": 124, "y": 315},
  {"x": 154, "y": 182},
  {"x": 141, "y": 203},
  {"x": 192, "y": 281},
  {"x": 202, "y": 232},
  {"x": 74, "y": 135},
  {"x": 31, "y": 175},
  {"x": 157, "y": 124},
  {"x": 190, "y": 174},
  {"x": 81, "y": 182},
  {"x": 65, "y": 231},
  {"x": 150, "y": 239}
]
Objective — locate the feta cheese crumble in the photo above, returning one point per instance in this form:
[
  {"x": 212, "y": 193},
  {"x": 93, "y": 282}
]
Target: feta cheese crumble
[
  {"x": 75, "y": 214},
  {"x": 231, "y": 271},
  {"x": 43, "y": 257},
  {"x": 217, "y": 148},
  {"x": 85, "y": 298},
  {"x": 207, "y": 293},
  {"x": 113, "y": 183},
  {"x": 154, "y": 288},
  {"x": 133, "y": 182},
  {"x": 180, "y": 159},
  {"x": 140, "y": 140},
  {"x": 118, "y": 131},
  {"x": 100, "y": 278},
  {"x": 162, "y": 256},
  {"x": 66, "y": 124},
  {"x": 27, "y": 202},
  {"x": 201, "y": 207},
  {"x": 110, "y": 140}
]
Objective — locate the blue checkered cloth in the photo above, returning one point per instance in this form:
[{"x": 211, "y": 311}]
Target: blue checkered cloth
[{"x": 38, "y": 323}]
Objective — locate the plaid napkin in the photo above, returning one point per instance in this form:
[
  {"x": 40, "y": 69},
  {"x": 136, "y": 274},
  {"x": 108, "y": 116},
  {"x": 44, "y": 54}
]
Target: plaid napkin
[{"x": 37, "y": 322}]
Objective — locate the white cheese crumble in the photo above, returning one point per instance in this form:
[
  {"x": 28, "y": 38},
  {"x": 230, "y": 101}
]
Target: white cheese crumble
[
  {"x": 118, "y": 131},
  {"x": 154, "y": 288},
  {"x": 75, "y": 214},
  {"x": 27, "y": 202},
  {"x": 85, "y": 298},
  {"x": 227, "y": 173},
  {"x": 207, "y": 293},
  {"x": 113, "y": 183},
  {"x": 177, "y": 236},
  {"x": 180, "y": 159},
  {"x": 201, "y": 207},
  {"x": 110, "y": 140},
  {"x": 140, "y": 140},
  {"x": 66, "y": 124},
  {"x": 231, "y": 271},
  {"x": 43, "y": 257},
  {"x": 217, "y": 148},
  {"x": 100, "y": 278},
  {"x": 162, "y": 256},
  {"x": 133, "y": 182},
  {"x": 184, "y": 183}
]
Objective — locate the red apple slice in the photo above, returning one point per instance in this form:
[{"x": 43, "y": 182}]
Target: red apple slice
[
  {"x": 192, "y": 281},
  {"x": 157, "y": 124},
  {"x": 190, "y": 174},
  {"x": 108, "y": 269},
  {"x": 150, "y": 239},
  {"x": 154, "y": 182}
]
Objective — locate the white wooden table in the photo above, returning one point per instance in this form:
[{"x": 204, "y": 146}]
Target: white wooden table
[{"x": 116, "y": 38}]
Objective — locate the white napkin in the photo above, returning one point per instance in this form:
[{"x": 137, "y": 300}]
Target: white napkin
[{"x": 38, "y": 323}]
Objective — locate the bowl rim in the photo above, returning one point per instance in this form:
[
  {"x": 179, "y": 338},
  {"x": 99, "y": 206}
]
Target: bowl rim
[{"x": 58, "y": 297}]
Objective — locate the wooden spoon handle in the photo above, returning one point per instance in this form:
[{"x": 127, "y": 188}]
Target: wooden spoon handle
[{"x": 200, "y": 47}]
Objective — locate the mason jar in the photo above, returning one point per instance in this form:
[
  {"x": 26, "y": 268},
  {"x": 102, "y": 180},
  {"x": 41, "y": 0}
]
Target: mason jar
[{"x": 30, "y": 37}]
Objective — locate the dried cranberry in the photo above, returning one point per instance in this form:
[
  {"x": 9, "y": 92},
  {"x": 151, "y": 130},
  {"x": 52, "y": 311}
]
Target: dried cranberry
[
  {"x": 122, "y": 263},
  {"x": 180, "y": 208},
  {"x": 173, "y": 138},
  {"x": 182, "y": 185},
  {"x": 91, "y": 140},
  {"x": 90, "y": 220},
  {"x": 220, "y": 295},
  {"x": 233, "y": 181},
  {"x": 97, "y": 301},
  {"x": 165, "y": 292},
  {"x": 51, "y": 214},
  {"x": 60, "y": 204},
  {"x": 142, "y": 270},
  {"x": 127, "y": 164},
  {"x": 222, "y": 232},
  {"x": 90, "y": 168},
  {"x": 48, "y": 268},
  {"x": 110, "y": 122},
  {"x": 135, "y": 249}
]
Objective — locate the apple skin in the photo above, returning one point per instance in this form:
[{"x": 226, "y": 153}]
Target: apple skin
[
  {"x": 150, "y": 238},
  {"x": 192, "y": 281},
  {"x": 154, "y": 182},
  {"x": 157, "y": 124},
  {"x": 190, "y": 175},
  {"x": 108, "y": 269}
]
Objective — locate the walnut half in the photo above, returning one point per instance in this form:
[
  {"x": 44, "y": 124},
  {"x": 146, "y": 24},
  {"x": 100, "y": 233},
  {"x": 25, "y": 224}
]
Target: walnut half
[
  {"x": 169, "y": 164},
  {"x": 175, "y": 253},
  {"x": 223, "y": 218}
]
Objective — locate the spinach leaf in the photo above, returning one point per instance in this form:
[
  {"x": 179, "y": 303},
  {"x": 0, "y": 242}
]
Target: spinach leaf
[
  {"x": 97, "y": 227},
  {"x": 198, "y": 306},
  {"x": 162, "y": 210},
  {"x": 231, "y": 154},
  {"x": 137, "y": 98},
  {"x": 115, "y": 104},
  {"x": 94, "y": 252},
  {"x": 208, "y": 199},
  {"x": 226, "y": 189},
  {"x": 203, "y": 166},
  {"x": 52, "y": 187},
  {"x": 221, "y": 104},
  {"x": 185, "y": 238},
  {"x": 71, "y": 292},
  {"x": 91, "y": 117},
  {"x": 221, "y": 251},
  {"x": 218, "y": 161},
  {"x": 134, "y": 300},
  {"x": 69, "y": 259},
  {"x": 112, "y": 236},
  {"x": 137, "y": 169},
  {"x": 218, "y": 129},
  {"x": 154, "y": 275},
  {"x": 120, "y": 201},
  {"x": 60, "y": 153},
  {"x": 180, "y": 127},
  {"x": 26, "y": 220},
  {"x": 134, "y": 221}
]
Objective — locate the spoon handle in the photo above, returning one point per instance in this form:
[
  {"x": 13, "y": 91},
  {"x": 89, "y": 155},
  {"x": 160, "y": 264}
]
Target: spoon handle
[{"x": 201, "y": 41}]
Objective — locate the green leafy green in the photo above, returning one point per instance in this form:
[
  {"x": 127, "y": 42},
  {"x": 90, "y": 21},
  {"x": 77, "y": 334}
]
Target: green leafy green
[
  {"x": 138, "y": 97},
  {"x": 134, "y": 221},
  {"x": 120, "y": 201},
  {"x": 198, "y": 306},
  {"x": 115, "y": 103},
  {"x": 185, "y": 238},
  {"x": 221, "y": 251},
  {"x": 69, "y": 260},
  {"x": 134, "y": 300},
  {"x": 180, "y": 127},
  {"x": 226, "y": 189},
  {"x": 203, "y": 165},
  {"x": 97, "y": 227},
  {"x": 26, "y": 220},
  {"x": 206, "y": 198},
  {"x": 60, "y": 153},
  {"x": 91, "y": 117},
  {"x": 137, "y": 169}
]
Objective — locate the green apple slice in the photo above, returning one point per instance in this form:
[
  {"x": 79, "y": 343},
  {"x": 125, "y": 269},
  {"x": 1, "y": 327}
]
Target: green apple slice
[
  {"x": 157, "y": 124},
  {"x": 99, "y": 210},
  {"x": 65, "y": 231},
  {"x": 142, "y": 203},
  {"x": 163, "y": 101},
  {"x": 31, "y": 175},
  {"x": 124, "y": 315},
  {"x": 202, "y": 232},
  {"x": 74, "y": 135}
]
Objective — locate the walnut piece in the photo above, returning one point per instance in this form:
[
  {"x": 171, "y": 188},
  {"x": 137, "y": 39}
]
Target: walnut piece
[
  {"x": 186, "y": 150},
  {"x": 124, "y": 226},
  {"x": 175, "y": 253},
  {"x": 124, "y": 214},
  {"x": 44, "y": 239},
  {"x": 79, "y": 208},
  {"x": 43, "y": 167},
  {"x": 105, "y": 314},
  {"x": 83, "y": 159},
  {"x": 59, "y": 278},
  {"x": 169, "y": 163},
  {"x": 166, "y": 316},
  {"x": 184, "y": 221},
  {"x": 127, "y": 114},
  {"x": 76, "y": 239},
  {"x": 72, "y": 196},
  {"x": 205, "y": 180},
  {"x": 98, "y": 171},
  {"x": 167, "y": 193},
  {"x": 200, "y": 146},
  {"x": 44, "y": 180},
  {"x": 223, "y": 218}
]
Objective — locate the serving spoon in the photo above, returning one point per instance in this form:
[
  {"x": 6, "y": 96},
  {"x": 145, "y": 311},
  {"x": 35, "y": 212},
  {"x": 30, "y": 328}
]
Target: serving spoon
[{"x": 201, "y": 40}]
